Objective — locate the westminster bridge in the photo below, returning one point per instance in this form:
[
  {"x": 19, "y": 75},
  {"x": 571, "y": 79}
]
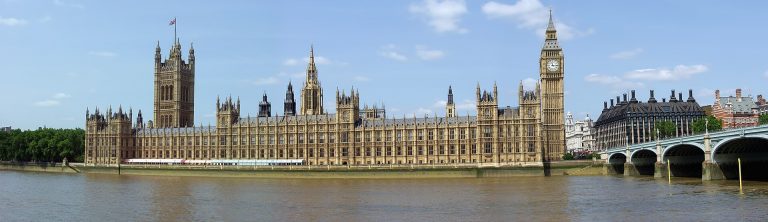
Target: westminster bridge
[{"x": 711, "y": 156}]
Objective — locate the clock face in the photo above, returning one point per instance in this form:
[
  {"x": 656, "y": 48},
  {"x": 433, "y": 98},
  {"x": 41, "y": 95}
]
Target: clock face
[{"x": 553, "y": 65}]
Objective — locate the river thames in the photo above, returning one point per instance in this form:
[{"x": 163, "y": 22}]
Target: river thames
[{"x": 28, "y": 196}]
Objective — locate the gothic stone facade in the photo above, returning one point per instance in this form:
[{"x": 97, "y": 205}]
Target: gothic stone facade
[{"x": 530, "y": 133}]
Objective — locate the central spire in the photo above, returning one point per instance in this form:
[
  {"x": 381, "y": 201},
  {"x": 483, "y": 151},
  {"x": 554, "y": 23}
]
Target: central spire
[
  {"x": 312, "y": 93},
  {"x": 311, "y": 68}
]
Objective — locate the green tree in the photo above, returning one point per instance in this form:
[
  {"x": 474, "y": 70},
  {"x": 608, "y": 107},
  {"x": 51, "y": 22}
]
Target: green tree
[
  {"x": 763, "y": 119},
  {"x": 568, "y": 156},
  {"x": 665, "y": 128},
  {"x": 42, "y": 145},
  {"x": 714, "y": 124}
]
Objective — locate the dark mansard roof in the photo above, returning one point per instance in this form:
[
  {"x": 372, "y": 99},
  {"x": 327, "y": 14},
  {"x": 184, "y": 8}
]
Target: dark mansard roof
[{"x": 633, "y": 107}]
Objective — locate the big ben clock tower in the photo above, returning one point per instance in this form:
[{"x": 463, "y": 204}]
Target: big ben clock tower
[{"x": 551, "y": 66}]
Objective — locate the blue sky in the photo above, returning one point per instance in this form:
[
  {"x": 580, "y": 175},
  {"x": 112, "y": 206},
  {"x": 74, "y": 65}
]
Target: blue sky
[{"x": 59, "y": 57}]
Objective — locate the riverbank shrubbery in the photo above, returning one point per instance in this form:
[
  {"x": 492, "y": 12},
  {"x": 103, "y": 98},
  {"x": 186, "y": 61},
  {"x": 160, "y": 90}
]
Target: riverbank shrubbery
[{"x": 42, "y": 145}]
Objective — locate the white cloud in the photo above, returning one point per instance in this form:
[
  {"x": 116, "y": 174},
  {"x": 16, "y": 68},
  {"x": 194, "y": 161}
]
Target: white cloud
[
  {"x": 440, "y": 103},
  {"x": 466, "y": 105},
  {"x": 566, "y": 32},
  {"x": 391, "y": 51},
  {"x": 12, "y": 21},
  {"x": 361, "y": 79},
  {"x": 394, "y": 55},
  {"x": 428, "y": 54},
  {"x": 266, "y": 81},
  {"x": 529, "y": 83},
  {"x": 290, "y": 62},
  {"x": 422, "y": 111},
  {"x": 48, "y": 103},
  {"x": 613, "y": 81},
  {"x": 531, "y": 14},
  {"x": 679, "y": 72},
  {"x": 627, "y": 54},
  {"x": 68, "y": 4},
  {"x": 102, "y": 53},
  {"x": 463, "y": 105},
  {"x": 442, "y": 15},
  {"x": 54, "y": 101},
  {"x": 766, "y": 74},
  {"x": 61, "y": 96}
]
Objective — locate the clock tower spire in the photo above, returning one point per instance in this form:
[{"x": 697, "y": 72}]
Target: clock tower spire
[{"x": 551, "y": 67}]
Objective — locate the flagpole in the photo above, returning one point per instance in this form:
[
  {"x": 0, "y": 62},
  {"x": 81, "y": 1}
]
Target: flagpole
[{"x": 174, "y": 29}]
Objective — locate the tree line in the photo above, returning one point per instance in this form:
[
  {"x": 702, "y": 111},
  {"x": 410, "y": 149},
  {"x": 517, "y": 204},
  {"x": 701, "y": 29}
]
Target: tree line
[{"x": 42, "y": 145}]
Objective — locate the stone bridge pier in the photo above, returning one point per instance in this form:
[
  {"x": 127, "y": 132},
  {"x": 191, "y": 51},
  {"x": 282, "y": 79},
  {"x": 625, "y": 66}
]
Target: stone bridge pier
[{"x": 616, "y": 164}]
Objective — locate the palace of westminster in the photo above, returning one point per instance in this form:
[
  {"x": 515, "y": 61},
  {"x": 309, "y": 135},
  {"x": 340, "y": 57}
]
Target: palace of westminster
[{"x": 531, "y": 133}]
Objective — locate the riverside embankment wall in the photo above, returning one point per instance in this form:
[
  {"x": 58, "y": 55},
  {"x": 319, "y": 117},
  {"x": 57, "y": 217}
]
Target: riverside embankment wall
[{"x": 554, "y": 169}]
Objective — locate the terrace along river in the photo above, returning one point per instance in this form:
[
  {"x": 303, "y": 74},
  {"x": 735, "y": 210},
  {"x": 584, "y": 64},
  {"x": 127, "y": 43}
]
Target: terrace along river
[{"x": 27, "y": 196}]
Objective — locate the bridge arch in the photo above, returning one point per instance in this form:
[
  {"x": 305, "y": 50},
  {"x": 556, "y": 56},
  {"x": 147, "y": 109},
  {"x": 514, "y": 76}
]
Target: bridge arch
[
  {"x": 685, "y": 159},
  {"x": 616, "y": 162},
  {"x": 753, "y": 151},
  {"x": 644, "y": 161}
]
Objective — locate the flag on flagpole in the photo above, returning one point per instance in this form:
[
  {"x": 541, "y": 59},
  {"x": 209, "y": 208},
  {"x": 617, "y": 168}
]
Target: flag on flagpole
[{"x": 173, "y": 22}]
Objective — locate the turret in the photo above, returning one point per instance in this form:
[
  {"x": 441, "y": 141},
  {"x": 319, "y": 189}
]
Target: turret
[
  {"x": 289, "y": 108},
  {"x": 348, "y": 107},
  {"x": 191, "y": 57},
  {"x": 450, "y": 107},
  {"x": 477, "y": 92},
  {"x": 158, "y": 56},
  {"x": 495, "y": 92},
  {"x": 227, "y": 113},
  {"x": 139, "y": 120},
  {"x": 265, "y": 108}
]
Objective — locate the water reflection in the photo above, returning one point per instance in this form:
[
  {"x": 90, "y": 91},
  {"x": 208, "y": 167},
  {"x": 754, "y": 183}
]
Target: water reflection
[{"x": 147, "y": 198}]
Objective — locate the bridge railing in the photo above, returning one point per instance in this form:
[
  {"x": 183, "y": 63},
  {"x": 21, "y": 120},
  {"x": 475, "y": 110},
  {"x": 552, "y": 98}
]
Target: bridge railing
[{"x": 721, "y": 132}]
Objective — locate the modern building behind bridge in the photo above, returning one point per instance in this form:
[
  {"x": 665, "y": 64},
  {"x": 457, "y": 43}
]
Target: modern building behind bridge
[{"x": 632, "y": 121}]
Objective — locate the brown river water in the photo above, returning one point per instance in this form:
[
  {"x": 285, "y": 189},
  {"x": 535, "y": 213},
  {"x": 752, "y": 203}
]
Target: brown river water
[{"x": 29, "y": 196}]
